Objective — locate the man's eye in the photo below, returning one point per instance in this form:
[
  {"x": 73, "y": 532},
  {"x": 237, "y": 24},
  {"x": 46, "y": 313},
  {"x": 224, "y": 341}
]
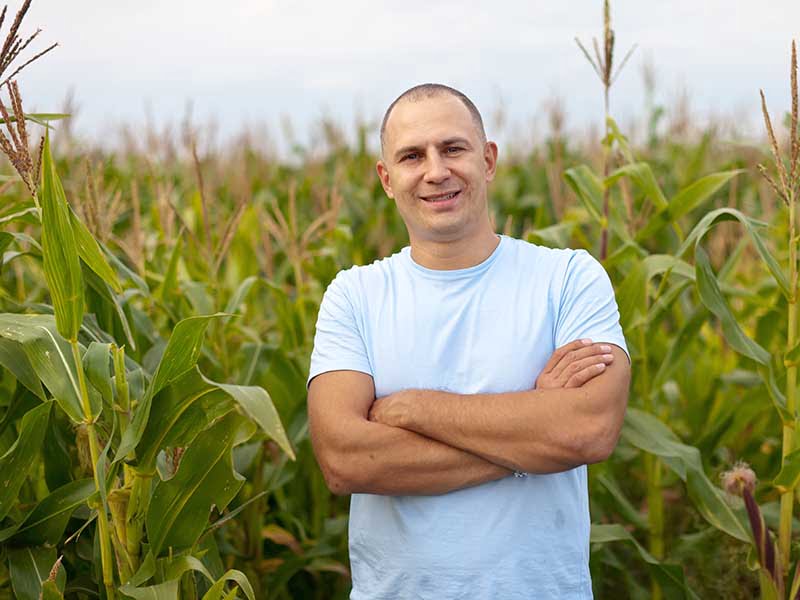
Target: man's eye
[
  {"x": 453, "y": 149},
  {"x": 410, "y": 156}
]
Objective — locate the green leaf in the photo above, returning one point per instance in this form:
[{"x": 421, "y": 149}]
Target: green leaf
[
  {"x": 105, "y": 292},
  {"x": 626, "y": 509},
  {"x": 178, "y": 414},
  {"x": 589, "y": 189},
  {"x": 710, "y": 294},
  {"x": 162, "y": 591},
  {"x": 792, "y": 357},
  {"x": 180, "y": 355},
  {"x": 50, "y": 357},
  {"x": 45, "y": 524},
  {"x": 642, "y": 175},
  {"x": 647, "y": 433},
  {"x": 216, "y": 590},
  {"x": 19, "y": 215},
  {"x": 670, "y": 577},
  {"x": 62, "y": 267},
  {"x": 238, "y": 296},
  {"x": 29, "y": 567},
  {"x": 686, "y": 201},
  {"x": 180, "y": 507},
  {"x": 96, "y": 366},
  {"x": 13, "y": 358},
  {"x": 750, "y": 227},
  {"x": 50, "y": 591},
  {"x": 789, "y": 475},
  {"x": 90, "y": 253},
  {"x": 20, "y": 457},
  {"x": 169, "y": 287},
  {"x": 632, "y": 293},
  {"x": 173, "y": 571},
  {"x": 256, "y": 404}
]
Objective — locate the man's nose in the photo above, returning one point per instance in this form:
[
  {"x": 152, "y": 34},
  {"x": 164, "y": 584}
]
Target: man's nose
[{"x": 436, "y": 170}]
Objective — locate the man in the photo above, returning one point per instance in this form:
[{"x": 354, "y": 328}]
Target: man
[{"x": 436, "y": 398}]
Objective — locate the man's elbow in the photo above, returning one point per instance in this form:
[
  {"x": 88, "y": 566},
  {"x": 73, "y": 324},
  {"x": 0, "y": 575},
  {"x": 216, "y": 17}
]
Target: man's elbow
[
  {"x": 346, "y": 474},
  {"x": 600, "y": 437}
]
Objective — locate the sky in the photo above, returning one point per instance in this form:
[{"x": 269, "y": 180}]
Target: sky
[{"x": 244, "y": 63}]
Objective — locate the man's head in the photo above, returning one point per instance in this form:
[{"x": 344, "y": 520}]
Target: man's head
[
  {"x": 436, "y": 164},
  {"x": 431, "y": 90}
]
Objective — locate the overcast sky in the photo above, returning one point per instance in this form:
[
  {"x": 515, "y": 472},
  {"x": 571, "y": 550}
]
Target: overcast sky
[{"x": 244, "y": 61}]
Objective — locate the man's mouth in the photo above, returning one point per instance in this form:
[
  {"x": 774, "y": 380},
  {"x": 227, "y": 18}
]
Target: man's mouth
[{"x": 441, "y": 197}]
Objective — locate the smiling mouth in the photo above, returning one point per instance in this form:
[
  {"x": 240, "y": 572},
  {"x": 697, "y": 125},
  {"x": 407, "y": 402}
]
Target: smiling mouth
[{"x": 441, "y": 197}]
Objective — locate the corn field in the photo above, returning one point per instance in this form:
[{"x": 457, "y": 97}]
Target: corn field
[{"x": 157, "y": 311}]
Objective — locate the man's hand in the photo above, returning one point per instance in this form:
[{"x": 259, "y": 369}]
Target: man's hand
[
  {"x": 574, "y": 364},
  {"x": 392, "y": 410}
]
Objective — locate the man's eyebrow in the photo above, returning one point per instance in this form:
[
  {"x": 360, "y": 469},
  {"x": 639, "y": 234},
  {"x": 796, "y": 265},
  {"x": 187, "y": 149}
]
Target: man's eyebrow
[
  {"x": 447, "y": 142},
  {"x": 406, "y": 150},
  {"x": 456, "y": 140}
]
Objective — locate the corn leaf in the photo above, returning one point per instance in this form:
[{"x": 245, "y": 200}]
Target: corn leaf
[
  {"x": 50, "y": 591},
  {"x": 789, "y": 475},
  {"x": 96, "y": 366},
  {"x": 178, "y": 414},
  {"x": 90, "y": 253},
  {"x": 13, "y": 358},
  {"x": 647, "y": 433},
  {"x": 238, "y": 296},
  {"x": 710, "y": 294},
  {"x": 792, "y": 356},
  {"x": 105, "y": 292},
  {"x": 62, "y": 267},
  {"x": 215, "y": 591},
  {"x": 180, "y": 507},
  {"x": 632, "y": 293},
  {"x": 256, "y": 404},
  {"x": 670, "y": 577},
  {"x": 686, "y": 201},
  {"x": 750, "y": 227},
  {"x": 50, "y": 358},
  {"x": 29, "y": 567},
  {"x": 45, "y": 524},
  {"x": 642, "y": 175},
  {"x": 589, "y": 189},
  {"x": 180, "y": 355},
  {"x": 19, "y": 458}
]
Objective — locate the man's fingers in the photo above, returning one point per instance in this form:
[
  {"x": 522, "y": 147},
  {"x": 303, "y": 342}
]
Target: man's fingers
[
  {"x": 560, "y": 352},
  {"x": 594, "y": 353},
  {"x": 581, "y": 377}
]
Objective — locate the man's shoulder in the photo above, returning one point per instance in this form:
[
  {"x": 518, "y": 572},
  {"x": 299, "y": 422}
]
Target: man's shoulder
[
  {"x": 544, "y": 256},
  {"x": 359, "y": 276}
]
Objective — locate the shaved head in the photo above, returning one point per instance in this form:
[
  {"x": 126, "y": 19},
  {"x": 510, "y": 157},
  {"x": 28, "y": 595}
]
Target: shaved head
[{"x": 432, "y": 90}]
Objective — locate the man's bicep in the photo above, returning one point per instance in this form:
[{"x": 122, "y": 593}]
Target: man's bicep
[{"x": 339, "y": 394}]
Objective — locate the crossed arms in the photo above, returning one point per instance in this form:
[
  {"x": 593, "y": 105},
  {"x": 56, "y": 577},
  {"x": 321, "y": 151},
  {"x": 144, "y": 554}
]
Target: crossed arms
[{"x": 430, "y": 442}]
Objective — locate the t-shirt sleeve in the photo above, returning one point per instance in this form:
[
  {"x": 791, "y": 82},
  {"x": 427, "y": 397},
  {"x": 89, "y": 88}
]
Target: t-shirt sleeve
[
  {"x": 338, "y": 342},
  {"x": 587, "y": 307}
]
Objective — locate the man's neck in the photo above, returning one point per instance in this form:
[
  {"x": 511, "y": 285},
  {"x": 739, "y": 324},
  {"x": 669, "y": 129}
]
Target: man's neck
[{"x": 456, "y": 254}]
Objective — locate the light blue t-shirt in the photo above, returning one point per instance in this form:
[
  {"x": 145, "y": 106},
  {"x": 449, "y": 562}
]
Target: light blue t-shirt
[{"x": 490, "y": 328}]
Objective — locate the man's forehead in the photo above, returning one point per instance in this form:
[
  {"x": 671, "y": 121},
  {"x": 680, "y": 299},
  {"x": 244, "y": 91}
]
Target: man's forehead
[{"x": 442, "y": 114}]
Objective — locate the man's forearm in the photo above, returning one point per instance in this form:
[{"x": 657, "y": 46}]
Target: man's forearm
[
  {"x": 381, "y": 459},
  {"x": 537, "y": 431}
]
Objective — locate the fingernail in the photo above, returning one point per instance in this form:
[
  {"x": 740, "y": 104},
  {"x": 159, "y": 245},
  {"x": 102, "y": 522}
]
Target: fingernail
[
  {"x": 605, "y": 348},
  {"x": 586, "y": 341},
  {"x": 608, "y": 357},
  {"x": 600, "y": 366}
]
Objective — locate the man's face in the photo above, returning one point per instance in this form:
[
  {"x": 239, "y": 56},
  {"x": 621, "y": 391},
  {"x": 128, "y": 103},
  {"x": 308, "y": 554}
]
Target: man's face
[{"x": 436, "y": 168}]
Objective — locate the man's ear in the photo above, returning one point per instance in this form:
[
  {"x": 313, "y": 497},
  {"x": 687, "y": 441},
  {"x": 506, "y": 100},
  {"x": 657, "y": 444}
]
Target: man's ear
[
  {"x": 490, "y": 158},
  {"x": 383, "y": 174}
]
